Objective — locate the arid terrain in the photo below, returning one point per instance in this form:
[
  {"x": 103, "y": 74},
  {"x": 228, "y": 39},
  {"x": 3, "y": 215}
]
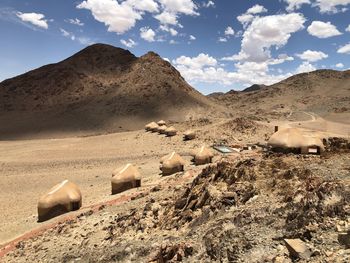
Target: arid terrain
[{"x": 82, "y": 118}]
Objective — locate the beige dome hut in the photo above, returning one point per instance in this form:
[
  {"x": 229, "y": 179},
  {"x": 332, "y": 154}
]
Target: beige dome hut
[
  {"x": 189, "y": 135},
  {"x": 293, "y": 140},
  {"x": 162, "y": 129},
  {"x": 202, "y": 156},
  {"x": 62, "y": 198},
  {"x": 171, "y": 131},
  {"x": 171, "y": 163},
  {"x": 125, "y": 178},
  {"x": 150, "y": 125},
  {"x": 154, "y": 127},
  {"x": 161, "y": 123}
]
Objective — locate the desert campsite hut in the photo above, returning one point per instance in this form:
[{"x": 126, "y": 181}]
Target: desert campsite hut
[
  {"x": 202, "y": 156},
  {"x": 293, "y": 140},
  {"x": 161, "y": 123},
  {"x": 171, "y": 131},
  {"x": 125, "y": 178},
  {"x": 149, "y": 125},
  {"x": 171, "y": 163},
  {"x": 62, "y": 198},
  {"x": 162, "y": 129},
  {"x": 189, "y": 135},
  {"x": 153, "y": 127}
]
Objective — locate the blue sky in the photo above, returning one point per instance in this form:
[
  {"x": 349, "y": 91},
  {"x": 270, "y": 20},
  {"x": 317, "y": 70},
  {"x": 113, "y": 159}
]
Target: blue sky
[{"x": 217, "y": 45}]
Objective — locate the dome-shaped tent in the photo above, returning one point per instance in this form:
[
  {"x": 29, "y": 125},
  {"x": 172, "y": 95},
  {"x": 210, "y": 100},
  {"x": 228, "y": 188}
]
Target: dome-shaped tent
[
  {"x": 151, "y": 126},
  {"x": 60, "y": 199},
  {"x": 125, "y": 178},
  {"x": 293, "y": 140},
  {"x": 171, "y": 131},
  {"x": 171, "y": 163},
  {"x": 189, "y": 135},
  {"x": 162, "y": 129},
  {"x": 161, "y": 123},
  {"x": 154, "y": 127},
  {"x": 202, "y": 156}
]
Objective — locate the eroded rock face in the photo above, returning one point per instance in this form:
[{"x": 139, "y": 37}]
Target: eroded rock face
[{"x": 60, "y": 199}]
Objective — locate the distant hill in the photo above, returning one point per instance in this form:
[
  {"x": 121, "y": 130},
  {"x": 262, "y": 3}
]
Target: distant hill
[
  {"x": 321, "y": 91},
  {"x": 99, "y": 89}
]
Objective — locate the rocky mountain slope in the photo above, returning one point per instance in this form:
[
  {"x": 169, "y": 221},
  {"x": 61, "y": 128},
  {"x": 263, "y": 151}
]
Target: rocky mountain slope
[
  {"x": 100, "y": 89},
  {"x": 321, "y": 91}
]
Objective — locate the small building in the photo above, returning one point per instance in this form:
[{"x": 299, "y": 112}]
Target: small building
[
  {"x": 62, "y": 198},
  {"x": 154, "y": 127},
  {"x": 171, "y": 163},
  {"x": 125, "y": 178},
  {"x": 161, "y": 123},
  {"x": 171, "y": 131},
  {"x": 202, "y": 156},
  {"x": 293, "y": 140},
  {"x": 162, "y": 129},
  {"x": 150, "y": 125},
  {"x": 189, "y": 135}
]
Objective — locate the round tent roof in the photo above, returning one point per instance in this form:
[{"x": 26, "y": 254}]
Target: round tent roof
[{"x": 293, "y": 138}]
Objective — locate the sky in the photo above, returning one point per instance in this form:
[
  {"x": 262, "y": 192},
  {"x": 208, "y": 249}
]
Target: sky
[{"x": 217, "y": 45}]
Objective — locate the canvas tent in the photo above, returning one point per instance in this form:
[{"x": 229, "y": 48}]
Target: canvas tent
[
  {"x": 162, "y": 129},
  {"x": 161, "y": 123},
  {"x": 125, "y": 178},
  {"x": 293, "y": 140},
  {"x": 150, "y": 126},
  {"x": 171, "y": 131},
  {"x": 202, "y": 156},
  {"x": 171, "y": 163},
  {"x": 60, "y": 199},
  {"x": 189, "y": 135}
]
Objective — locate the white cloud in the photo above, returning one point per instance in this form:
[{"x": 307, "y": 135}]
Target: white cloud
[
  {"x": 344, "y": 49},
  {"x": 209, "y": 4},
  {"x": 34, "y": 18},
  {"x": 323, "y": 30},
  {"x": 192, "y": 37},
  {"x": 205, "y": 69},
  {"x": 167, "y": 18},
  {"x": 147, "y": 34},
  {"x": 331, "y": 6},
  {"x": 166, "y": 28},
  {"x": 75, "y": 21},
  {"x": 266, "y": 32},
  {"x": 128, "y": 43},
  {"x": 249, "y": 15},
  {"x": 173, "y": 32},
  {"x": 312, "y": 56},
  {"x": 339, "y": 65},
  {"x": 295, "y": 4},
  {"x": 305, "y": 67},
  {"x": 117, "y": 17},
  {"x": 67, "y": 34},
  {"x": 187, "y": 7},
  {"x": 144, "y": 5},
  {"x": 172, "y": 42},
  {"x": 222, "y": 39},
  {"x": 348, "y": 29},
  {"x": 229, "y": 31}
]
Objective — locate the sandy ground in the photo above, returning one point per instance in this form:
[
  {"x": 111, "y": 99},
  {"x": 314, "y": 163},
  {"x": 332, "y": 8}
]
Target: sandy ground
[{"x": 29, "y": 168}]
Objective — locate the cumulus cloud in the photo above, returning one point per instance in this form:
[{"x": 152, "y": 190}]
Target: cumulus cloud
[
  {"x": 331, "y": 6},
  {"x": 119, "y": 18},
  {"x": 295, "y": 4},
  {"x": 147, "y": 34},
  {"x": 173, "y": 8},
  {"x": 67, "y": 34},
  {"x": 192, "y": 37},
  {"x": 344, "y": 49},
  {"x": 266, "y": 32},
  {"x": 312, "y": 56},
  {"x": 249, "y": 15},
  {"x": 339, "y": 65},
  {"x": 323, "y": 29},
  {"x": 348, "y": 29},
  {"x": 144, "y": 5},
  {"x": 75, "y": 21},
  {"x": 222, "y": 39},
  {"x": 128, "y": 43},
  {"x": 34, "y": 18},
  {"x": 82, "y": 40},
  {"x": 229, "y": 31},
  {"x": 305, "y": 67}
]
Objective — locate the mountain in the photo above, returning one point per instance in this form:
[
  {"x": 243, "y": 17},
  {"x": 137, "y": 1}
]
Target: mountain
[
  {"x": 100, "y": 89},
  {"x": 321, "y": 91}
]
